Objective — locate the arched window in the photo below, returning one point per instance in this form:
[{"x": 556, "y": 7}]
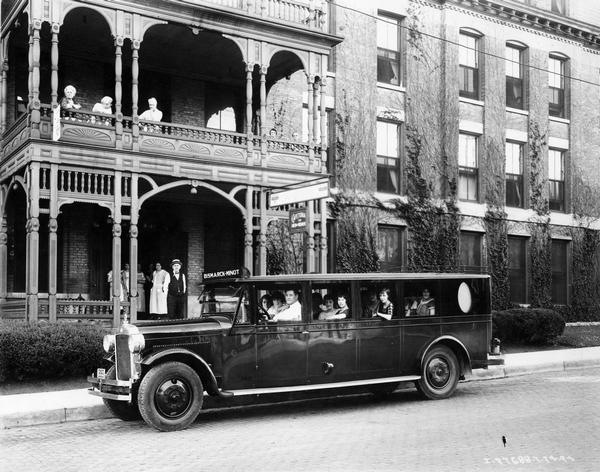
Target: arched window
[
  {"x": 515, "y": 55},
  {"x": 469, "y": 61}
]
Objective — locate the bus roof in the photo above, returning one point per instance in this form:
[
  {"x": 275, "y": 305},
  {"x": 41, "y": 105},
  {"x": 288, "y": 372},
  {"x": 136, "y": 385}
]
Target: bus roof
[{"x": 291, "y": 278}]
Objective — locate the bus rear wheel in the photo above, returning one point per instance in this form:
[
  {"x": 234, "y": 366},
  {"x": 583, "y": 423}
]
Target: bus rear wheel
[
  {"x": 170, "y": 396},
  {"x": 439, "y": 373}
]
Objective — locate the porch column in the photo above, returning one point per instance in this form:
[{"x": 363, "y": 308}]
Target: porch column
[
  {"x": 116, "y": 253},
  {"x": 53, "y": 243},
  {"x": 3, "y": 83},
  {"x": 3, "y": 90},
  {"x": 323, "y": 245},
  {"x": 135, "y": 71},
  {"x": 3, "y": 258},
  {"x": 118, "y": 91},
  {"x": 33, "y": 242},
  {"x": 262, "y": 235},
  {"x": 249, "y": 90},
  {"x": 263, "y": 111},
  {"x": 309, "y": 250},
  {"x": 316, "y": 97},
  {"x": 248, "y": 259},
  {"x": 324, "y": 137},
  {"x": 34, "y": 104},
  {"x": 309, "y": 121},
  {"x": 133, "y": 249},
  {"x": 54, "y": 65}
]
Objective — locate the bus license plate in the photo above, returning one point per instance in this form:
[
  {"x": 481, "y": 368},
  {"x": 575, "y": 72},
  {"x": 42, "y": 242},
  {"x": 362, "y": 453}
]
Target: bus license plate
[{"x": 101, "y": 374}]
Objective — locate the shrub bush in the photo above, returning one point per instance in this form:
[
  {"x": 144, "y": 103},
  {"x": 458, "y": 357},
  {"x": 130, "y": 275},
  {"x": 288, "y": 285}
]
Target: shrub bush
[
  {"x": 48, "y": 350},
  {"x": 527, "y": 325}
]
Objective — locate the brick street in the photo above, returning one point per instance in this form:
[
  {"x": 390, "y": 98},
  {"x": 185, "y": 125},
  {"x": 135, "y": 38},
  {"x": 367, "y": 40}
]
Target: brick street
[{"x": 547, "y": 419}]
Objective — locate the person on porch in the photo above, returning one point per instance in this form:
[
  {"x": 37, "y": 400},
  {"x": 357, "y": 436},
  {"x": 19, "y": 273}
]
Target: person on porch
[
  {"x": 153, "y": 113},
  {"x": 68, "y": 101},
  {"x": 158, "y": 294},
  {"x": 176, "y": 300}
]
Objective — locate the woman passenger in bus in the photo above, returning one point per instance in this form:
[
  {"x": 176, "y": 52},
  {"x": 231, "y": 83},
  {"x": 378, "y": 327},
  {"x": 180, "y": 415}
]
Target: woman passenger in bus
[
  {"x": 344, "y": 309},
  {"x": 328, "y": 311},
  {"x": 385, "y": 308},
  {"x": 278, "y": 304},
  {"x": 425, "y": 306},
  {"x": 266, "y": 302}
]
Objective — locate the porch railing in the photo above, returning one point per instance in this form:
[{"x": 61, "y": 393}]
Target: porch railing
[
  {"x": 66, "y": 309},
  {"x": 311, "y": 14}
]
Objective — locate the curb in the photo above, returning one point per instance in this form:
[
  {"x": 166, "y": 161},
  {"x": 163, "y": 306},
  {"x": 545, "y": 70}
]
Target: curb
[
  {"x": 77, "y": 405},
  {"x": 540, "y": 361}
]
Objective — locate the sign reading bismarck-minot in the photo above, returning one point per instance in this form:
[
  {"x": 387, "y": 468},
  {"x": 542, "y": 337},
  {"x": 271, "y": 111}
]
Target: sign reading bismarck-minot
[{"x": 313, "y": 191}]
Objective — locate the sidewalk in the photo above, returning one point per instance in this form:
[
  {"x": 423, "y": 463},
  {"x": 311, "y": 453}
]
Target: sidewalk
[{"x": 77, "y": 405}]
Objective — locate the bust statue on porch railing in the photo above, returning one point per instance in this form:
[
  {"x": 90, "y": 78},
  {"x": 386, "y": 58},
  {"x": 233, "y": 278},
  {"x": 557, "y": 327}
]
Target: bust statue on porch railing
[
  {"x": 153, "y": 113},
  {"x": 68, "y": 101}
]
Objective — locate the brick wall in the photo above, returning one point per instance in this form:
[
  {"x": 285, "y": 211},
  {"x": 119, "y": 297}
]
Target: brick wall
[
  {"x": 188, "y": 101},
  {"x": 75, "y": 223}
]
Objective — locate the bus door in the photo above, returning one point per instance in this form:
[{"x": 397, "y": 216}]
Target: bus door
[
  {"x": 281, "y": 334},
  {"x": 379, "y": 334},
  {"x": 239, "y": 347},
  {"x": 332, "y": 338}
]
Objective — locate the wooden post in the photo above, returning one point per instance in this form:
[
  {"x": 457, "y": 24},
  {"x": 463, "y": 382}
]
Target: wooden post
[
  {"x": 33, "y": 242},
  {"x": 54, "y": 65},
  {"x": 34, "y": 104},
  {"x": 309, "y": 122},
  {"x": 3, "y": 257},
  {"x": 135, "y": 70},
  {"x": 118, "y": 92},
  {"x": 309, "y": 250},
  {"x": 248, "y": 253},
  {"x": 323, "y": 245},
  {"x": 133, "y": 249},
  {"x": 263, "y": 112},
  {"x": 53, "y": 243},
  {"x": 262, "y": 237},
  {"x": 116, "y": 252},
  {"x": 324, "y": 143}
]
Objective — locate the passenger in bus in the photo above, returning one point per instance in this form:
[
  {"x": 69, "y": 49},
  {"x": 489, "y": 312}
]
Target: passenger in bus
[
  {"x": 266, "y": 302},
  {"x": 328, "y": 310},
  {"x": 385, "y": 307},
  {"x": 344, "y": 309},
  {"x": 293, "y": 312},
  {"x": 370, "y": 307},
  {"x": 278, "y": 303},
  {"x": 425, "y": 306}
]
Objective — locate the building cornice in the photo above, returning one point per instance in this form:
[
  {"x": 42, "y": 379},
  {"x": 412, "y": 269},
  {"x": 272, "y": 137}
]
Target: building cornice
[{"x": 532, "y": 19}]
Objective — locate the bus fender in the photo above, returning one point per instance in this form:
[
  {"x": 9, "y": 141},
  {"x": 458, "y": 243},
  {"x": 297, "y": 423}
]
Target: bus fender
[
  {"x": 458, "y": 347},
  {"x": 194, "y": 361}
]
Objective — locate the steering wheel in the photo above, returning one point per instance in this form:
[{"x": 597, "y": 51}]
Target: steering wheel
[{"x": 263, "y": 316}]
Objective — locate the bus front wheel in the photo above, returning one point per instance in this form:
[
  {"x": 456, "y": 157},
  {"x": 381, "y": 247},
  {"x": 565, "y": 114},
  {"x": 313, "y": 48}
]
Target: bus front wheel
[
  {"x": 439, "y": 373},
  {"x": 170, "y": 396}
]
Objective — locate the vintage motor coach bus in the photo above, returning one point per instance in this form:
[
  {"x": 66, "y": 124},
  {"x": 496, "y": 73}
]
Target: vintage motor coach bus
[{"x": 272, "y": 334}]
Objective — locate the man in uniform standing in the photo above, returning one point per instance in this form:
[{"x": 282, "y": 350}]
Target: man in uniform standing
[{"x": 177, "y": 298}]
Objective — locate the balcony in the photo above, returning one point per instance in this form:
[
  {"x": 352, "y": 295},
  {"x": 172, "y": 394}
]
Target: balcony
[
  {"x": 157, "y": 141},
  {"x": 311, "y": 14}
]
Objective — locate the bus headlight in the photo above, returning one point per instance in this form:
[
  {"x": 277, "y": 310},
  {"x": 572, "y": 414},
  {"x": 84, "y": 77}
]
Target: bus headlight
[
  {"x": 108, "y": 342},
  {"x": 136, "y": 343}
]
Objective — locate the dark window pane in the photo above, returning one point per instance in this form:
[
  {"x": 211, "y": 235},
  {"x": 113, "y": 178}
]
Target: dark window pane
[
  {"x": 469, "y": 82},
  {"x": 514, "y": 92},
  {"x": 388, "y": 67},
  {"x": 470, "y": 252},
  {"x": 388, "y": 175},
  {"x": 514, "y": 190},
  {"x": 389, "y": 248},
  {"x": 467, "y": 183},
  {"x": 557, "y": 195},
  {"x": 517, "y": 269},
  {"x": 559, "y": 272},
  {"x": 557, "y": 102}
]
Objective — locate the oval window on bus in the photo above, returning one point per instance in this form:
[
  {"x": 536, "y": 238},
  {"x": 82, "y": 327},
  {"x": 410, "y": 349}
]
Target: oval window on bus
[{"x": 465, "y": 301}]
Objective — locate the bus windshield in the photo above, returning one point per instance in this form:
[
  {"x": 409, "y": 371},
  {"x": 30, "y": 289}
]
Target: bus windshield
[{"x": 220, "y": 300}]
